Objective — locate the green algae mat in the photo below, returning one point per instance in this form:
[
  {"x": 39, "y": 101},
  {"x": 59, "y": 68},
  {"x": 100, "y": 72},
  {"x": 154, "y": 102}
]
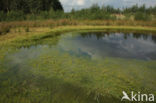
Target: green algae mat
[{"x": 78, "y": 67}]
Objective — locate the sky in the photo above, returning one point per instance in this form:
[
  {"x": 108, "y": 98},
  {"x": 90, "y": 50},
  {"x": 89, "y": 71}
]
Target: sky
[{"x": 79, "y": 4}]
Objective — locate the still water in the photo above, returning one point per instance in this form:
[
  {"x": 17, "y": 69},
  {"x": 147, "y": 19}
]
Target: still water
[
  {"x": 99, "y": 45},
  {"x": 82, "y": 67}
]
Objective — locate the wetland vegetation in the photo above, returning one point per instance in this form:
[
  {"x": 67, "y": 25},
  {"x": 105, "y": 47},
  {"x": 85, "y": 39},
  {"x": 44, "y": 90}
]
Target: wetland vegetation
[
  {"x": 77, "y": 67},
  {"x": 83, "y": 56}
]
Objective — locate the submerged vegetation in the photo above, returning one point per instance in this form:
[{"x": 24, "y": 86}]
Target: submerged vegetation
[
  {"x": 47, "y": 74},
  {"x": 34, "y": 70},
  {"x": 60, "y": 77},
  {"x": 57, "y": 76}
]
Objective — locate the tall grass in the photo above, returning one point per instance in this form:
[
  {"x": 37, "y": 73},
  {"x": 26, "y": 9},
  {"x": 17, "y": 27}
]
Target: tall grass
[
  {"x": 6, "y": 26},
  {"x": 4, "y": 29},
  {"x": 64, "y": 22}
]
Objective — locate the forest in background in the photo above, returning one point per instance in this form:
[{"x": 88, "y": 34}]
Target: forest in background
[
  {"x": 29, "y": 6},
  {"x": 19, "y": 10},
  {"x": 50, "y": 13}
]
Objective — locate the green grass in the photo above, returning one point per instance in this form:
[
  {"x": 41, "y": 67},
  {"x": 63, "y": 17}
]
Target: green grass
[{"x": 37, "y": 33}]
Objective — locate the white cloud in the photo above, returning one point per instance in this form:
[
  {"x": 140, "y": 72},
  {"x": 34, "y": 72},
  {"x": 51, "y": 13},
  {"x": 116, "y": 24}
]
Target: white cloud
[{"x": 80, "y": 2}]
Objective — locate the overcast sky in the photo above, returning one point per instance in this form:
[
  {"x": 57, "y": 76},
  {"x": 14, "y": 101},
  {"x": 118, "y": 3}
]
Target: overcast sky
[{"x": 79, "y": 4}]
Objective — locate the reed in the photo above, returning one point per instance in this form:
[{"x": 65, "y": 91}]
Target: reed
[
  {"x": 4, "y": 29},
  {"x": 64, "y": 22}
]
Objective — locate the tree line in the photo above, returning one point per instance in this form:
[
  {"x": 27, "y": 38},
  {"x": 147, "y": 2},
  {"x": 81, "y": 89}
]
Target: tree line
[
  {"x": 29, "y": 6},
  {"x": 109, "y": 12},
  {"x": 11, "y": 10}
]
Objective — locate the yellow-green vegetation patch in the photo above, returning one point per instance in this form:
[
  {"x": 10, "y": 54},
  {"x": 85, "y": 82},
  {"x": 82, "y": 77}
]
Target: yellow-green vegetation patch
[
  {"x": 38, "y": 33},
  {"x": 108, "y": 76},
  {"x": 54, "y": 76}
]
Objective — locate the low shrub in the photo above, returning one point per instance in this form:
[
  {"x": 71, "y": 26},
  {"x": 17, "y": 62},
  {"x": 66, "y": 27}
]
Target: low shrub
[
  {"x": 5, "y": 29},
  {"x": 142, "y": 16},
  {"x": 27, "y": 29}
]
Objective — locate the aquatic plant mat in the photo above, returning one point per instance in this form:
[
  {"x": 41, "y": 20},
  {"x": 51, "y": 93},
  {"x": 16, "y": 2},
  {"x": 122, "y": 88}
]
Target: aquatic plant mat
[{"x": 54, "y": 69}]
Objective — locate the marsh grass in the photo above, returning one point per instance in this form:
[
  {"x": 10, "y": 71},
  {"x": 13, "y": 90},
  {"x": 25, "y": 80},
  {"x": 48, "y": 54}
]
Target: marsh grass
[
  {"x": 27, "y": 29},
  {"x": 4, "y": 29},
  {"x": 64, "y": 22},
  {"x": 38, "y": 33}
]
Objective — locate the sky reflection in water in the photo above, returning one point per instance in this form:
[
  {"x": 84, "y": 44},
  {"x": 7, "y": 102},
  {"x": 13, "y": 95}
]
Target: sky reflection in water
[{"x": 99, "y": 45}]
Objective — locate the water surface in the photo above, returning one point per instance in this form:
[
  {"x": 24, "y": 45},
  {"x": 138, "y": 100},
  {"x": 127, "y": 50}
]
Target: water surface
[
  {"x": 85, "y": 67},
  {"x": 99, "y": 45}
]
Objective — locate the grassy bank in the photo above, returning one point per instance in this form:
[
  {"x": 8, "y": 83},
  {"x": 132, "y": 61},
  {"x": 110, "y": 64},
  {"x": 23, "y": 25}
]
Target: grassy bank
[
  {"x": 21, "y": 33},
  {"x": 5, "y": 27},
  {"x": 20, "y": 36},
  {"x": 64, "y": 22}
]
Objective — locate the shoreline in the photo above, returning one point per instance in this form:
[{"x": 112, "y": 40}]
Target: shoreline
[{"x": 39, "y": 32}]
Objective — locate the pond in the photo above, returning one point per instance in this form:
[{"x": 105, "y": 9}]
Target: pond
[{"x": 79, "y": 67}]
